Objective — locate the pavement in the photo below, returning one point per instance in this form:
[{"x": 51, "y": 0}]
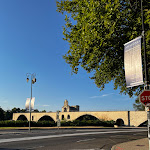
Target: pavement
[{"x": 141, "y": 144}]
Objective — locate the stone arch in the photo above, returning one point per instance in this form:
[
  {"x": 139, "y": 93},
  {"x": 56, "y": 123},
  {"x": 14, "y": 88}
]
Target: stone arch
[
  {"x": 62, "y": 117},
  {"x": 65, "y": 109},
  {"x": 119, "y": 122},
  {"x": 87, "y": 117},
  {"x": 22, "y": 117},
  {"x": 68, "y": 117},
  {"x": 46, "y": 118},
  {"x": 144, "y": 124}
]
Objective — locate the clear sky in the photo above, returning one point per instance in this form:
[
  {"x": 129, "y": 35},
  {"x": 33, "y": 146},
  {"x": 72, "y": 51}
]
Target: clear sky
[{"x": 31, "y": 42}]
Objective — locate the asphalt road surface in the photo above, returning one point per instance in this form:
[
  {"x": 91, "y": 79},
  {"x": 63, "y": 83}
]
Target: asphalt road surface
[{"x": 68, "y": 139}]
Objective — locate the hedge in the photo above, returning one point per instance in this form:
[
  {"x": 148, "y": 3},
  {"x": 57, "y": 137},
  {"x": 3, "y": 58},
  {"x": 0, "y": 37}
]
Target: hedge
[
  {"x": 88, "y": 123},
  {"x": 21, "y": 123}
]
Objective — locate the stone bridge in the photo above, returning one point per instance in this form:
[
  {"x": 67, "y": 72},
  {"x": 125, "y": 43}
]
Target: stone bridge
[{"x": 129, "y": 118}]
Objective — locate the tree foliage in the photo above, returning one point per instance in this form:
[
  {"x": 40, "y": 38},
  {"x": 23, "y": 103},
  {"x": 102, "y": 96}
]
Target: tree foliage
[
  {"x": 96, "y": 31},
  {"x": 8, "y": 114},
  {"x": 138, "y": 106},
  {"x": 2, "y": 114}
]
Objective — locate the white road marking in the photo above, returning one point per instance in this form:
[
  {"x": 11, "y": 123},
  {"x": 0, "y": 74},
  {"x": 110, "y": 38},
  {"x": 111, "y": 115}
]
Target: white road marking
[
  {"x": 86, "y": 140},
  {"x": 101, "y": 130},
  {"x": 88, "y": 149},
  {"x": 82, "y": 149},
  {"x": 94, "y": 130},
  {"x": 35, "y": 147},
  {"x": 62, "y": 135},
  {"x": 11, "y": 132}
]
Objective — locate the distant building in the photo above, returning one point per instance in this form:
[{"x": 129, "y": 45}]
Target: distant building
[{"x": 67, "y": 108}]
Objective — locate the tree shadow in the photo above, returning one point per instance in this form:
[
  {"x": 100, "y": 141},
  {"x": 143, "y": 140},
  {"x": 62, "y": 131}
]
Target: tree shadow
[{"x": 10, "y": 149}]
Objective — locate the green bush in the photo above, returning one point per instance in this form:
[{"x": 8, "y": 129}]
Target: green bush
[
  {"x": 88, "y": 123},
  {"x": 9, "y": 123},
  {"x": 45, "y": 124},
  {"x": 21, "y": 123}
]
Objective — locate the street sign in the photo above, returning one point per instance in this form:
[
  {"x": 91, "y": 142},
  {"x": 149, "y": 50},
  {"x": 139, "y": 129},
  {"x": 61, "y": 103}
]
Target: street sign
[
  {"x": 144, "y": 98},
  {"x": 57, "y": 115},
  {"x": 58, "y": 123},
  {"x": 32, "y": 103}
]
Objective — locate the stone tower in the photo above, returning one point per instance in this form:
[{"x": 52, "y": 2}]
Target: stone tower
[
  {"x": 67, "y": 108},
  {"x": 66, "y": 103}
]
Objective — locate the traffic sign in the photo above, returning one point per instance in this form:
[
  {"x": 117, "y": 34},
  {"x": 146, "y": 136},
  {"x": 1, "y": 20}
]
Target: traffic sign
[
  {"x": 58, "y": 123},
  {"x": 144, "y": 97}
]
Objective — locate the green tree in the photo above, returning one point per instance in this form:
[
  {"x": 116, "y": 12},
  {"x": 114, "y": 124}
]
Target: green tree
[
  {"x": 138, "y": 106},
  {"x": 8, "y": 115},
  {"x": 2, "y": 114},
  {"x": 43, "y": 111},
  {"x": 15, "y": 110},
  {"x": 35, "y": 110},
  {"x": 96, "y": 31},
  {"x": 23, "y": 110}
]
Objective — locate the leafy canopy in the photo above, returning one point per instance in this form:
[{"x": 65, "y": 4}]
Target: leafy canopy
[
  {"x": 138, "y": 106},
  {"x": 96, "y": 35}
]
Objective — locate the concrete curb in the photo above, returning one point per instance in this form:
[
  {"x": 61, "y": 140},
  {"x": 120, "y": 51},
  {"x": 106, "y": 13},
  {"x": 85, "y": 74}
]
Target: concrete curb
[{"x": 141, "y": 144}]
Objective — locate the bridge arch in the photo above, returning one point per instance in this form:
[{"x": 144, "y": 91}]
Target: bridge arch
[
  {"x": 68, "y": 117},
  {"x": 120, "y": 122},
  {"x": 87, "y": 117},
  {"x": 22, "y": 117},
  {"x": 144, "y": 124},
  {"x": 130, "y": 118},
  {"x": 46, "y": 118},
  {"x": 62, "y": 117}
]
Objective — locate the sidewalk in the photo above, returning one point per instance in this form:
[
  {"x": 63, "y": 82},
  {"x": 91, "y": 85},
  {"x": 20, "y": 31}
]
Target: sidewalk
[{"x": 141, "y": 144}]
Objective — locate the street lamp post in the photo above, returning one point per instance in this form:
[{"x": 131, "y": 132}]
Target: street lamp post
[
  {"x": 133, "y": 3},
  {"x": 146, "y": 70},
  {"x": 33, "y": 80},
  {"x": 144, "y": 46},
  {"x": 146, "y": 86}
]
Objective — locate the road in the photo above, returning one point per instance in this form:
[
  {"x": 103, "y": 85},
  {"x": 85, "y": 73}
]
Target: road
[{"x": 68, "y": 139}]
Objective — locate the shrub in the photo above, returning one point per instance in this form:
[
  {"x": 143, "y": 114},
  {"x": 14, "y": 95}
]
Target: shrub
[
  {"x": 21, "y": 123},
  {"x": 88, "y": 123}
]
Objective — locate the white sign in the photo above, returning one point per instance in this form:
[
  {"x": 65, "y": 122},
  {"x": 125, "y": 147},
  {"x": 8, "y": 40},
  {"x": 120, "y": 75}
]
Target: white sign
[
  {"x": 27, "y": 103},
  {"x": 58, "y": 123},
  {"x": 133, "y": 63},
  {"x": 57, "y": 115},
  {"x": 32, "y": 103}
]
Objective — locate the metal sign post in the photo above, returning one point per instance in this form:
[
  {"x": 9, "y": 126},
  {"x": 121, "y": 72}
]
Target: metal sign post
[
  {"x": 129, "y": 78},
  {"x": 144, "y": 98},
  {"x": 58, "y": 123},
  {"x": 58, "y": 120},
  {"x": 148, "y": 125}
]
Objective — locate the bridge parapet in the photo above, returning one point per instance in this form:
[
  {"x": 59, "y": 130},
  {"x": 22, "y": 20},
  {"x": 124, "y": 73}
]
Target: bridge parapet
[{"x": 130, "y": 118}]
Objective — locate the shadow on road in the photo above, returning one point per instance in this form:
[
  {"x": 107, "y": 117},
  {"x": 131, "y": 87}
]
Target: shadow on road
[{"x": 10, "y": 149}]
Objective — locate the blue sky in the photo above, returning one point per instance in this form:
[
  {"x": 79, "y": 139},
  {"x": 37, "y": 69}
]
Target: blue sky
[{"x": 31, "y": 42}]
